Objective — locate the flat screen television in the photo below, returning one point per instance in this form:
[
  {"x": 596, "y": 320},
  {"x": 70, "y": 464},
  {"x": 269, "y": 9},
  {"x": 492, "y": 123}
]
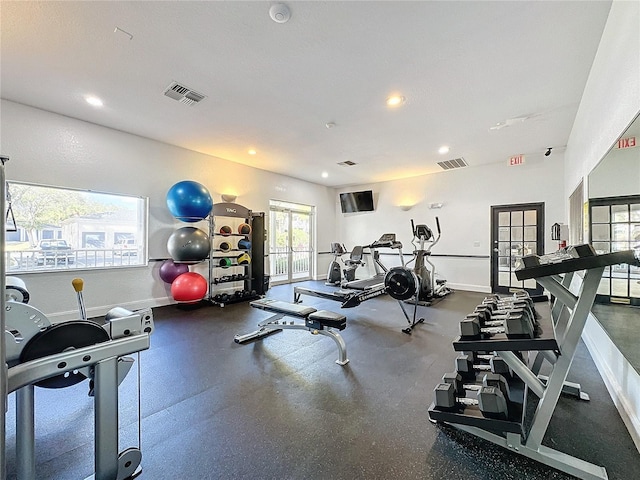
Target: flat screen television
[{"x": 356, "y": 201}]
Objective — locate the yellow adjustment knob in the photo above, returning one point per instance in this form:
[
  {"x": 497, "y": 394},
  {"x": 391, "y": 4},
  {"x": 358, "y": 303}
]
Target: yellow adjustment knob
[{"x": 77, "y": 283}]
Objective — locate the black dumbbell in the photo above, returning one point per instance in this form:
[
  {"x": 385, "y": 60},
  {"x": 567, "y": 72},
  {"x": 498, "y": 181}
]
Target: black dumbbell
[
  {"x": 224, "y": 298},
  {"x": 492, "y": 313},
  {"x": 501, "y": 307},
  {"x": 516, "y": 325},
  {"x": 489, "y": 379},
  {"x": 490, "y": 399},
  {"x": 467, "y": 365}
]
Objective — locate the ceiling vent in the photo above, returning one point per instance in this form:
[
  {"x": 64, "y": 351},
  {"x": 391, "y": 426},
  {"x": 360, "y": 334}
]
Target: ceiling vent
[
  {"x": 183, "y": 94},
  {"x": 347, "y": 163},
  {"x": 455, "y": 163}
]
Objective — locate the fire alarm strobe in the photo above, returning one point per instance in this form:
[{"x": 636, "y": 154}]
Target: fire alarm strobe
[{"x": 280, "y": 13}]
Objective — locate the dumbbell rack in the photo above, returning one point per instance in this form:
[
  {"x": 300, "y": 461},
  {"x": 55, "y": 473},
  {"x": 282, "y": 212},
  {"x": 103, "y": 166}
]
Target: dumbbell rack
[{"x": 524, "y": 431}]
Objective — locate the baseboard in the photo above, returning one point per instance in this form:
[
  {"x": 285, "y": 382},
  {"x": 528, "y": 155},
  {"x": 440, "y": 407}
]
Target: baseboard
[
  {"x": 469, "y": 288},
  {"x": 597, "y": 342},
  {"x": 101, "y": 311}
]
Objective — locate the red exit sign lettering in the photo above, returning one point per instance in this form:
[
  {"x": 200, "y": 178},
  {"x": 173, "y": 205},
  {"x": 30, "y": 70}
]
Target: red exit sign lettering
[
  {"x": 628, "y": 142},
  {"x": 516, "y": 160}
]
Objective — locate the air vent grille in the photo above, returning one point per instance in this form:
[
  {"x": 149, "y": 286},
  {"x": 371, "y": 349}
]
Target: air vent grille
[
  {"x": 455, "y": 163},
  {"x": 347, "y": 163},
  {"x": 183, "y": 94}
]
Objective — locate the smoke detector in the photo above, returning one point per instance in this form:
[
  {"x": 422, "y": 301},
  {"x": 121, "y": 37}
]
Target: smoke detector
[
  {"x": 183, "y": 94},
  {"x": 280, "y": 13}
]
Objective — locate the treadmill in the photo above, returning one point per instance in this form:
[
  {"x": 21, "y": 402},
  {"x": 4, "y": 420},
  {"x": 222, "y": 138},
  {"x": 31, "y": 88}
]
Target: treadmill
[{"x": 387, "y": 240}]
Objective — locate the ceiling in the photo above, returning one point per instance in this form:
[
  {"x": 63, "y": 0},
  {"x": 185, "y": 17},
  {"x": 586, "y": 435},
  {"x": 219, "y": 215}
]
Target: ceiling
[{"x": 463, "y": 67}]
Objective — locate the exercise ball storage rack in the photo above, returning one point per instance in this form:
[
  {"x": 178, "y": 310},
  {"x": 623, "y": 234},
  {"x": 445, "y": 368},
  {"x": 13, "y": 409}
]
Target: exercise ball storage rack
[
  {"x": 534, "y": 396},
  {"x": 232, "y": 278}
]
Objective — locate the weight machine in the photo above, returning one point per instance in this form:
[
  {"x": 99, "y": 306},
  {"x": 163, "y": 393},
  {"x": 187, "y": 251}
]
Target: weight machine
[{"x": 39, "y": 353}]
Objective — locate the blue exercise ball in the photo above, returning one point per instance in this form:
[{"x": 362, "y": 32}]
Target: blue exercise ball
[
  {"x": 188, "y": 245},
  {"x": 189, "y": 201}
]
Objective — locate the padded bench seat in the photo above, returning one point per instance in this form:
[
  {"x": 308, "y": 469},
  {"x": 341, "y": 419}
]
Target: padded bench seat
[
  {"x": 278, "y": 306},
  {"x": 327, "y": 319}
]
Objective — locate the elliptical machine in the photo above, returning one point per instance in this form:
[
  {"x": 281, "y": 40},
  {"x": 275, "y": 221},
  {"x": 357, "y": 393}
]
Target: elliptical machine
[
  {"x": 431, "y": 288},
  {"x": 417, "y": 285}
]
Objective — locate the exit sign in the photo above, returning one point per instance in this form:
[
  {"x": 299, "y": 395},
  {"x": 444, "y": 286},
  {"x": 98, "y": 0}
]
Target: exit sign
[
  {"x": 628, "y": 142},
  {"x": 516, "y": 160}
]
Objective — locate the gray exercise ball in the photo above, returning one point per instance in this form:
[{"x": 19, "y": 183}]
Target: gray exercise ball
[{"x": 188, "y": 245}]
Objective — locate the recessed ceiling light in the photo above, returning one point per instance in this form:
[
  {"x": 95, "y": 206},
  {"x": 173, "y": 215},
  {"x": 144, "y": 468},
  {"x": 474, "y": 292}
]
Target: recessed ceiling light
[
  {"x": 443, "y": 149},
  {"x": 95, "y": 101},
  {"x": 395, "y": 100},
  {"x": 252, "y": 152},
  {"x": 325, "y": 174}
]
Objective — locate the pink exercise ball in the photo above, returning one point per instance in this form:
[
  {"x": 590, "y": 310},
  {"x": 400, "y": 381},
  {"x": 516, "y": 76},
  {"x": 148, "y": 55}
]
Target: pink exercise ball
[
  {"x": 170, "y": 270},
  {"x": 189, "y": 287}
]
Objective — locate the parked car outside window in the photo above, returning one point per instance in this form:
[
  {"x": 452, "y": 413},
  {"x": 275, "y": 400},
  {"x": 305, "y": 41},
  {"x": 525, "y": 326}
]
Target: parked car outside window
[{"x": 54, "y": 252}]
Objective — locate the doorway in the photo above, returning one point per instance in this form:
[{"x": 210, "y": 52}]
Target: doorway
[
  {"x": 516, "y": 231},
  {"x": 290, "y": 242}
]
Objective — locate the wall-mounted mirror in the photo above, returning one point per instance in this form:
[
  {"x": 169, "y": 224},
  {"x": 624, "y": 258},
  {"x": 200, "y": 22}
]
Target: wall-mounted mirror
[{"x": 614, "y": 225}]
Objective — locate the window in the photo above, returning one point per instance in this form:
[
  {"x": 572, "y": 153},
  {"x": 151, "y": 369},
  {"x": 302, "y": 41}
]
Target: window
[{"x": 63, "y": 229}]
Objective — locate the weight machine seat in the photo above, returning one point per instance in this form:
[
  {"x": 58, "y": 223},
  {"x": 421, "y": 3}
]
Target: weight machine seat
[
  {"x": 278, "y": 306},
  {"x": 328, "y": 319}
]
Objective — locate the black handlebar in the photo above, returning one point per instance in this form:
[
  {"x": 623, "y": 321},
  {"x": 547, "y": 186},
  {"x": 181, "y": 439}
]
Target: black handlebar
[
  {"x": 437, "y": 224},
  {"x": 413, "y": 227}
]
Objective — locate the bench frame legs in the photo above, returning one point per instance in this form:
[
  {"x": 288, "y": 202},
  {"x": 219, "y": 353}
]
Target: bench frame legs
[{"x": 274, "y": 325}]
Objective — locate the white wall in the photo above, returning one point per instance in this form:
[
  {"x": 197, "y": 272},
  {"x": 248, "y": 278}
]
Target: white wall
[
  {"x": 51, "y": 149},
  {"x": 610, "y": 102},
  {"x": 617, "y": 175},
  {"x": 467, "y": 195},
  {"x": 611, "y": 98}
]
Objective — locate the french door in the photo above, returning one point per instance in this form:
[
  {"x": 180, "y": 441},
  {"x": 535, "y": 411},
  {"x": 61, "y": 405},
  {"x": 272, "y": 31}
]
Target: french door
[
  {"x": 516, "y": 231},
  {"x": 290, "y": 242},
  {"x": 615, "y": 226}
]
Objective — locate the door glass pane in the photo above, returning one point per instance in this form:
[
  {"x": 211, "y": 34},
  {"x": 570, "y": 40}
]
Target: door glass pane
[
  {"x": 620, "y": 231},
  {"x": 635, "y": 289},
  {"x": 635, "y": 212},
  {"x": 600, "y": 214},
  {"x": 619, "y": 213},
  {"x": 516, "y": 234},
  {"x": 503, "y": 249},
  {"x": 634, "y": 285},
  {"x": 619, "y": 287},
  {"x": 602, "y": 247},
  {"x": 603, "y": 288},
  {"x": 619, "y": 246},
  {"x": 600, "y": 232},
  {"x": 635, "y": 233},
  {"x": 530, "y": 283},
  {"x": 529, "y": 248},
  {"x": 516, "y": 218},
  {"x": 503, "y": 219},
  {"x": 503, "y": 279},
  {"x": 515, "y": 282},
  {"x": 529, "y": 234},
  {"x": 300, "y": 244},
  {"x": 503, "y": 234},
  {"x": 279, "y": 254},
  {"x": 530, "y": 217}
]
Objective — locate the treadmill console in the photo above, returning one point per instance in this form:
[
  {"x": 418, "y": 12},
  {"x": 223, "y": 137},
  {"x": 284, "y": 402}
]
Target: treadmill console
[{"x": 387, "y": 240}]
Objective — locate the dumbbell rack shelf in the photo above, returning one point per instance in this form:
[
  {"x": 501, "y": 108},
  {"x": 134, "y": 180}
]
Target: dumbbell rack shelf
[{"x": 568, "y": 316}]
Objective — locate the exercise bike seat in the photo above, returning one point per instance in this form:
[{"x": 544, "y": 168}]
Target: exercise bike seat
[{"x": 355, "y": 258}]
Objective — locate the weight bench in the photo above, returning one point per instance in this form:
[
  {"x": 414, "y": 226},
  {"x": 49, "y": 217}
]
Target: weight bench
[{"x": 318, "y": 322}]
